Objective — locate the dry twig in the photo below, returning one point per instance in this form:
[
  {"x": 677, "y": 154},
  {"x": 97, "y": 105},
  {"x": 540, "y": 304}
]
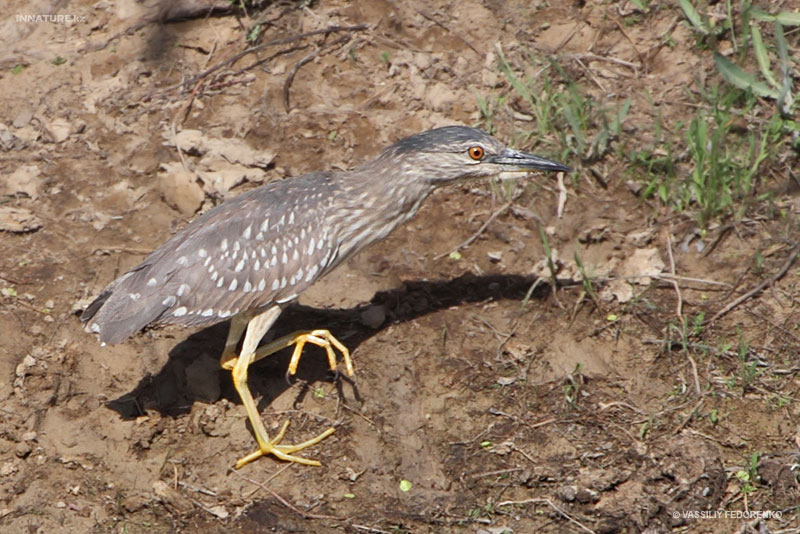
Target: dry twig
[
  {"x": 474, "y": 236},
  {"x": 769, "y": 281}
]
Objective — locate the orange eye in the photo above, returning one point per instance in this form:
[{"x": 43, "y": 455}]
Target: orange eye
[{"x": 476, "y": 153}]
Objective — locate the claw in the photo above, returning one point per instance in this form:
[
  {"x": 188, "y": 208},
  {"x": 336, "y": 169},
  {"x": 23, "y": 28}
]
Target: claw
[{"x": 256, "y": 328}]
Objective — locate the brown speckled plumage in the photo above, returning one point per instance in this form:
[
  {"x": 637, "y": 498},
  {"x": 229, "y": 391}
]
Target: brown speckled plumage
[{"x": 265, "y": 247}]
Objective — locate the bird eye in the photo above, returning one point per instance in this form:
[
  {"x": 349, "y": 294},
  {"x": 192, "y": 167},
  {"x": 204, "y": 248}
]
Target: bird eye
[{"x": 476, "y": 153}]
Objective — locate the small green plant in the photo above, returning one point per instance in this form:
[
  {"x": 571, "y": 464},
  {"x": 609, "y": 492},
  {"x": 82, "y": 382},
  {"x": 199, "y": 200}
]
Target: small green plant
[
  {"x": 572, "y": 388},
  {"x": 748, "y": 477},
  {"x": 588, "y": 287},
  {"x": 548, "y": 253},
  {"x": 254, "y": 33},
  {"x": 486, "y": 510},
  {"x": 707, "y": 28},
  {"x": 488, "y": 108},
  {"x": 713, "y": 417},
  {"x": 748, "y": 371}
]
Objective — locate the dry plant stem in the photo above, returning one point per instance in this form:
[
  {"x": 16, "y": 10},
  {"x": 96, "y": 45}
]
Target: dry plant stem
[
  {"x": 769, "y": 281},
  {"x": 562, "y": 195},
  {"x": 257, "y": 48},
  {"x": 448, "y": 30},
  {"x": 554, "y": 507},
  {"x": 287, "y": 504},
  {"x": 679, "y": 308},
  {"x": 474, "y": 236},
  {"x": 310, "y": 57}
]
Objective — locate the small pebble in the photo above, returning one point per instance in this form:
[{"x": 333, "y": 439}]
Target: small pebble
[
  {"x": 374, "y": 316},
  {"x": 22, "y": 450}
]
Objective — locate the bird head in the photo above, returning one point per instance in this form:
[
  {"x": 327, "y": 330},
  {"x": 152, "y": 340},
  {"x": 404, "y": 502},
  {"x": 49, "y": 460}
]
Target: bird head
[{"x": 457, "y": 153}]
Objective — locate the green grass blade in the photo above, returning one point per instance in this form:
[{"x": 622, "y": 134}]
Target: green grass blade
[
  {"x": 788, "y": 18},
  {"x": 763, "y": 16},
  {"x": 693, "y": 16},
  {"x": 515, "y": 82},
  {"x": 762, "y": 57},
  {"x": 785, "y": 99},
  {"x": 783, "y": 54},
  {"x": 741, "y": 79}
]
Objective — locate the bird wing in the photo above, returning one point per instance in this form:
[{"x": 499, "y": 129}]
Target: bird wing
[{"x": 261, "y": 248}]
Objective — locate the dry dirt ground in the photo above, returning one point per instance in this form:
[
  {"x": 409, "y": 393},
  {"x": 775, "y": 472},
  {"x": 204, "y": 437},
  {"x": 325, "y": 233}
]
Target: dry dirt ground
[{"x": 507, "y": 411}]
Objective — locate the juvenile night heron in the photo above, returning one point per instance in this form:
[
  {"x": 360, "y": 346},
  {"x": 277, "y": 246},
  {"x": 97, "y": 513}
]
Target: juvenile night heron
[{"x": 249, "y": 257}]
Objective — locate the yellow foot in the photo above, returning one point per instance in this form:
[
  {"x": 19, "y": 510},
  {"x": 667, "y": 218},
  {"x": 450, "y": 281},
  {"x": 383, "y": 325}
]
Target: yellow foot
[
  {"x": 321, "y": 338},
  {"x": 284, "y": 452}
]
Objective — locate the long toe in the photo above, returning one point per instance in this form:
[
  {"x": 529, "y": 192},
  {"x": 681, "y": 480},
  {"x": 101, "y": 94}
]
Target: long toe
[{"x": 285, "y": 452}]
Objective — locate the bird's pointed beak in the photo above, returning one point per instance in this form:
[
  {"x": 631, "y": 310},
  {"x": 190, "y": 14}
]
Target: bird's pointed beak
[{"x": 514, "y": 160}]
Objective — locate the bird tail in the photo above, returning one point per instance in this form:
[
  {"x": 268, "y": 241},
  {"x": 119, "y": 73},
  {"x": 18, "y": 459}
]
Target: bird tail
[{"x": 119, "y": 312}]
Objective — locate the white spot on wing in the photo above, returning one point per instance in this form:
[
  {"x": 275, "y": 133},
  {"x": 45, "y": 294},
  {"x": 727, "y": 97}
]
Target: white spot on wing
[
  {"x": 152, "y": 282},
  {"x": 183, "y": 261},
  {"x": 183, "y": 288},
  {"x": 223, "y": 314},
  {"x": 311, "y": 246},
  {"x": 275, "y": 285},
  {"x": 224, "y": 245},
  {"x": 234, "y": 284},
  {"x": 311, "y": 273},
  {"x": 247, "y": 286},
  {"x": 239, "y": 266},
  {"x": 246, "y": 233},
  {"x": 169, "y": 301},
  {"x": 257, "y": 265},
  {"x": 284, "y": 259},
  {"x": 207, "y": 313},
  {"x": 262, "y": 284},
  {"x": 220, "y": 281},
  {"x": 202, "y": 253},
  {"x": 179, "y": 312},
  {"x": 291, "y": 218},
  {"x": 295, "y": 256},
  {"x": 283, "y": 282},
  {"x": 236, "y": 246},
  {"x": 264, "y": 226}
]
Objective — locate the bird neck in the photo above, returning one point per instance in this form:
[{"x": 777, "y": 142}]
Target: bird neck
[{"x": 376, "y": 203}]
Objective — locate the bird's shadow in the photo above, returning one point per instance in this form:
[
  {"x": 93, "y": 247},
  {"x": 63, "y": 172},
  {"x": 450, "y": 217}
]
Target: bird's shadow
[{"x": 181, "y": 381}]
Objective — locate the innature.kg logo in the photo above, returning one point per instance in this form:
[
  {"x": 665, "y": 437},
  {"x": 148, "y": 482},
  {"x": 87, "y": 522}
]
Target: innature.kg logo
[{"x": 54, "y": 19}]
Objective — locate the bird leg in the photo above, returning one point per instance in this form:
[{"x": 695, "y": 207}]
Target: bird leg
[
  {"x": 229, "y": 355},
  {"x": 256, "y": 328},
  {"x": 320, "y": 338}
]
